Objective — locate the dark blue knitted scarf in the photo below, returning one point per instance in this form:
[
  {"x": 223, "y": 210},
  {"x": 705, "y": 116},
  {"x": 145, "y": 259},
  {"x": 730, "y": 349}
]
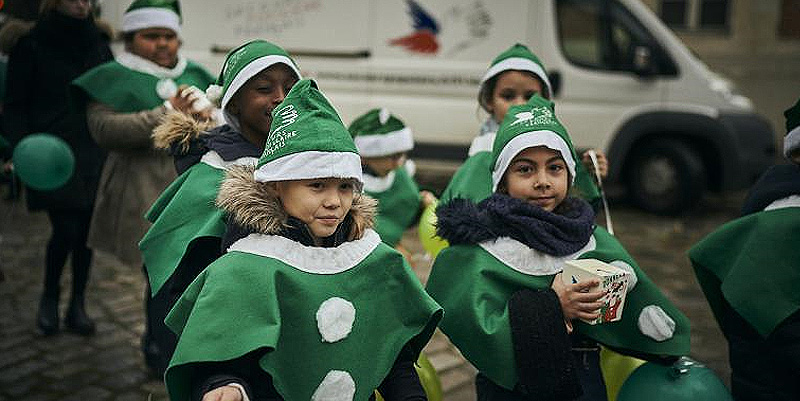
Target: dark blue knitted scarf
[{"x": 562, "y": 233}]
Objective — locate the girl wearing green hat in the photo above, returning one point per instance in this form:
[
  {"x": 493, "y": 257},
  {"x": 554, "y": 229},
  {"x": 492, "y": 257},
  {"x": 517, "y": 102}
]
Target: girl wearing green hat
[
  {"x": 499, "y": 281},
  {"x": 187, "y": 227},
  {"x": 309, "y": 303},
  {"x": 513, "y": 77},
  {"x": 383, "y": 141}
]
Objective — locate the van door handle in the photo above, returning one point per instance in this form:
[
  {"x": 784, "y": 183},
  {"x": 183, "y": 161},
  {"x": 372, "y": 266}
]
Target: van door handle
[{"x": 555, "y": 82}]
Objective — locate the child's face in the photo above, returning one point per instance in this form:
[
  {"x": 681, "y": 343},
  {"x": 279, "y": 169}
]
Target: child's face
[
  {"x": 512, "y": 88},
  {"x": 538, "y": 176},
  {"x": 254, "y": 101},
  {"x": 321, "y": 204},
  {"x": 383, "y": 165},
  {"x": 159, "y": 45}
]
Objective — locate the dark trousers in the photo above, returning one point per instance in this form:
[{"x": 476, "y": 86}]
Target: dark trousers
[{"x": 70, "y": 231}]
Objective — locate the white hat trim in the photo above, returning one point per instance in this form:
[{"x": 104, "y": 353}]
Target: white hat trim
[
  {"x": 526, "y": 140},
  {"x": 253, "y": 68},
  {"x": 791, "y": 141},
  {"x": 518, "y": 63},
  {"x": 151, "y": 17},
  {"x": 310, "y": 165},
  {"x": 385, "y": 144}
]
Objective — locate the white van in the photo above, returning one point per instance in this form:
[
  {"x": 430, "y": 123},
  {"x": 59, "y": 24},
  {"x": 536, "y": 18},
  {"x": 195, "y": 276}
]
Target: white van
[{"x": 623, "y": 82}]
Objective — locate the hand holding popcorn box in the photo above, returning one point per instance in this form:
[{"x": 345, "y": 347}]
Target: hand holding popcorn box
[{"x": 613, "y": 280}]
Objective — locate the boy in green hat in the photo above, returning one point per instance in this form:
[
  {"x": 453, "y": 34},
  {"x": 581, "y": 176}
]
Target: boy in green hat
[
  {"x": 512, "y": 78},
  {"x": 125, "y": 100},
  {"x": 383, "y": 141},
  {"x": 500, "y": 282},
  {"x": 310, "y": 304},
  {"x": 187, "y": 226},
  {"x": 749, "y": 270}
]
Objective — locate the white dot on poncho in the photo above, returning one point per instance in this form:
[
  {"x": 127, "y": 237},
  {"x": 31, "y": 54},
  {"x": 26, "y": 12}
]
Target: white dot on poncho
[
  {"x": 335, "y": 319},
  {"x": 656, "y": 324},
  {"x": 336, "y": 386}
]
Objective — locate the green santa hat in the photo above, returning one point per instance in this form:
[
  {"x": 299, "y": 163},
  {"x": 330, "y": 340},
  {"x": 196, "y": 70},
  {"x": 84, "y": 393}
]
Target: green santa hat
[
  {"x": 307, "y": 140},
  {"x": 241, "y": 64},
  {"x": 379, "y": 133},
  {"x": 518, "y": 57},
  {"x": 143, "y": 14},
  {"x": 530, "y": 125},
  {"x": 791, "y": 142}
]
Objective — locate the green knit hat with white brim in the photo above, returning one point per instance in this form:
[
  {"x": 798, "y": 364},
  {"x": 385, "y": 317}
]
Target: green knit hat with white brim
[
  {"x": 143, "y": 14},
  {"x": 526, "y": 126},
  {"x": 378, "y": 133},
  {"x": 307, "y": 140},
  {"x": 518, "y": 57},
  {"x": 241, "y": 64},
  {"x": 791, "y": 142}
]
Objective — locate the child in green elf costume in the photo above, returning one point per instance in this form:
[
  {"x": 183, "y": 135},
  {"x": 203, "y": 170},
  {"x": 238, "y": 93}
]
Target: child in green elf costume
[
  {"x": 310, "y": 304},
  {"x": 187, "y": 226},
  {"x": 513, "y": 77},
  {"x": 499, "y": 281},
  {"x": 749, "y": 270},
  {"x": 383, "y": 141}
]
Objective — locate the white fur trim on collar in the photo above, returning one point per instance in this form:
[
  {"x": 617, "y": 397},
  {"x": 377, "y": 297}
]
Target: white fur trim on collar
[
  {"x": 315, "y": 260},
  {"x": 527, "y": 260},
  {"x": 146, "y": 66},
  {"x": 385, "y": 144},
  {"x": 789, "y": 201},
  {"x": 151, "y": 17},
  {"x": 310, "y": 165},
  {"x": 213, "y": 159},
  {"x": 482, "y": 143},
  {"x": 253, "y": 68},
  {"x": 378, "y": 184},
  {"x": 791, "y": 141},
  {"x": 526, "y": 140},
  {"x": 518, "y": 63}
]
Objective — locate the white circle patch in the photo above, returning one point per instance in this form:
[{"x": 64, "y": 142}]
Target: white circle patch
[
  {"x": 335, "y": 319},
  {"x": 656, "y": 324},
  {"x": 337, "y": 385}
]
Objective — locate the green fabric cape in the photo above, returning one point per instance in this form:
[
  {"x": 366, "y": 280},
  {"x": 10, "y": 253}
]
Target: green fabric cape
[
  {"x": 753, "y": 263},
  {"x": 127, "y": 91},
  {"x": 245, "y": 302},
  {"x": 473, "y": 181},
  {"x": 398, "y": 207},
  {"x": 474, "y": 287},
  {"x": 184, "y": 212}
]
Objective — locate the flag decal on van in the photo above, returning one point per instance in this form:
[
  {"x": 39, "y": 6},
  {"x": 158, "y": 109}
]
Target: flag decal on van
[{"x": 423, "y": 39}]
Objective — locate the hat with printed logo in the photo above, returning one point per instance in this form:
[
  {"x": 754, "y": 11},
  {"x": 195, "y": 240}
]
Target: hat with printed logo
[
  {"x": 791, "y": 142},
  {"x": 379, "y": 133},
  {"x": 307, "y": 140},
  {"x": 518, "y": 57},
  {"x": 526, "y": 126},
  {"x": 143, "y": 14}
]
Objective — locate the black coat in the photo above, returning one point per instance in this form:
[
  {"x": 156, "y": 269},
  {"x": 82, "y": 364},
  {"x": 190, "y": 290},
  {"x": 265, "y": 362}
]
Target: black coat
[{"x": 41, "y": 65}]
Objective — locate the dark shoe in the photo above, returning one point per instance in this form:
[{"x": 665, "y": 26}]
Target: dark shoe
[
  {"x": 77, "y": 321},
  {"x": 47, "y": 320}
]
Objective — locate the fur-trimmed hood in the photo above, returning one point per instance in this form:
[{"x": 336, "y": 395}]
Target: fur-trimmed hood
[
  {"x": 255, "y": 205},
  {"x": 13, "y": 29},
  {"x": 179, "y": 129}
]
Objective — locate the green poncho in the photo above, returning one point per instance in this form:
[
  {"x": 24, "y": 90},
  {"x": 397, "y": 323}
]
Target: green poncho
[
  {"x": 474, "y": 283},
  {"x": 398, "y": 203},
  {"x": 337, "y": 314},
  {"x": 753, "y": 264}
]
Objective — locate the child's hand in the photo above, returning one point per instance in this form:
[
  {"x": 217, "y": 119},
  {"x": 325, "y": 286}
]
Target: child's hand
[
  {"x": 186, "y": 101},
  {"x": 602, "y": 162},
  {"x": 224, "y": 393},
  {"x": 577, "y": 302},
  {"x": 427, "y": 198}
]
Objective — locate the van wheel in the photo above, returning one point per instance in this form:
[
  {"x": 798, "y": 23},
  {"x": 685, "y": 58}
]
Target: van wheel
[{"x": 666, "y": 177}]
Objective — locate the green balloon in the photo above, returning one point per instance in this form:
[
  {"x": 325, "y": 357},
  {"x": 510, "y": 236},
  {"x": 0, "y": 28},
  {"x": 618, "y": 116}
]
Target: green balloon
[
  {"x": 685, "y": 380},
  {"x": 427, "y": 231},
  {"x": 43, "y": 161}
]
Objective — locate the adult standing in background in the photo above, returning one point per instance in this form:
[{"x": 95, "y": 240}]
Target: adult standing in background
[
  {"x": 124, "y": 100},
  {"x": 64, "y": 43}
]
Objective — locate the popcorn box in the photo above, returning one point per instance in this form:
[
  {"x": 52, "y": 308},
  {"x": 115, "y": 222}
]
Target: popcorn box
[{"x": 612, "y": 279}]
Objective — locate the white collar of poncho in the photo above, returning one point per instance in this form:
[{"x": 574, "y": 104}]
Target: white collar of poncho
[
  {"x": 527, "y": 260},
  {"x": 146, "y": 66}
]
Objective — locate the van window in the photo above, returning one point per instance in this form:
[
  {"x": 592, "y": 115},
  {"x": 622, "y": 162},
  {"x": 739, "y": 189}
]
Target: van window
[{"x": 601, "y": 34}]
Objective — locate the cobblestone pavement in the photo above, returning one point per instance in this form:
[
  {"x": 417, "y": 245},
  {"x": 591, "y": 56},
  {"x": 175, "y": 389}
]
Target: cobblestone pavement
[{"x": 108, "y": 366}]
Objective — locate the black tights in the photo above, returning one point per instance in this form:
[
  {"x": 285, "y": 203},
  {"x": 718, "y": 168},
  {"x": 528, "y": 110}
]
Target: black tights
[{"x": 70, "y": 230}]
